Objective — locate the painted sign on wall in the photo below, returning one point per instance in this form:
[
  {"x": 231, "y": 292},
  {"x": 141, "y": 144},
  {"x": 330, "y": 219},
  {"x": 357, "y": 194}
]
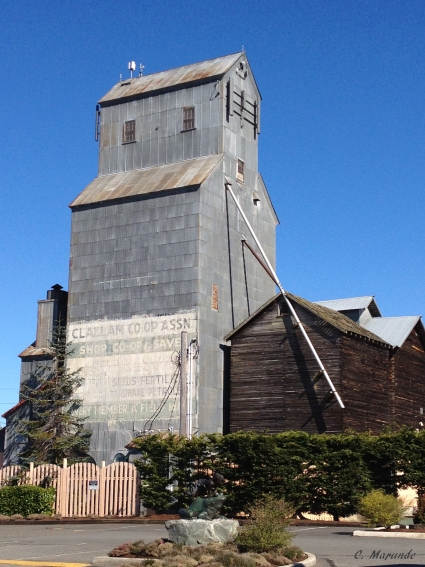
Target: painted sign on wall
[{"x": 129, "y": 365}]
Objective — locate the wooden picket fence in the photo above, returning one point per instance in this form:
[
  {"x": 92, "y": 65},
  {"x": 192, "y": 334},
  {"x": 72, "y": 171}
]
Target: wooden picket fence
[{"x": 85, "y": 489}]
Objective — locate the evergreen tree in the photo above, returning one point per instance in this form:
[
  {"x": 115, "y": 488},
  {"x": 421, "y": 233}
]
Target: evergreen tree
[{"x": 53, "y": 429}]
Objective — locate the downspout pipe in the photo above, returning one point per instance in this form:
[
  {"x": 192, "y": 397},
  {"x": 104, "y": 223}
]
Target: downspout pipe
[{"x": 227, "y": 185}]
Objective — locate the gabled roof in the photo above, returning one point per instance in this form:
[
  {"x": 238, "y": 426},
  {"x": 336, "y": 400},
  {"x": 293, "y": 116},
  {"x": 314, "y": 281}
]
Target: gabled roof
[
  {"x": 15, "y": 407},
  {"x": 334, "y": 318},
  {"x": 210, "y": 69},
  {"x": 394, "y": 330},
  {"x": 144, "y": 181},
  {"x": 349, "y": 303},
  {"x": 35, "y": 351}
]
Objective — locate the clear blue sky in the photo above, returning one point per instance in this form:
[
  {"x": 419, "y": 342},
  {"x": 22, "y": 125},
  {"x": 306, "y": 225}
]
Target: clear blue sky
[{"x": 341, "y": 149}]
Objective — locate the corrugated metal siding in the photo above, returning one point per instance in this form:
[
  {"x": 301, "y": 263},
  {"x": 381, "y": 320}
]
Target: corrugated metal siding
[
  {"x": 166, "y": 79},
  {"x": 159, "y": 136},
  {"x": 144, "y": 181}
]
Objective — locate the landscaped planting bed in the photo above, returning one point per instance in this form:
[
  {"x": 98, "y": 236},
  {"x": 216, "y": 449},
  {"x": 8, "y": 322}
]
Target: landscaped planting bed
[{"x": 162, "y": 553}]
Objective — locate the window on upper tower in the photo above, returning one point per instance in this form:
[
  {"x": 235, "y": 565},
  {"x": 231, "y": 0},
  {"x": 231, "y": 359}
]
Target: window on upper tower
[
  {"x": 240, "y": 172},
  {"x": 188, "y": 118},
  {"x": 129, "y": 131}
]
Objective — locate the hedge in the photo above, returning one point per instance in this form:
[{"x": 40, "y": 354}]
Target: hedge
[
  {"x": 26, "y": 500},
  {"x": 316, "y": 473}
]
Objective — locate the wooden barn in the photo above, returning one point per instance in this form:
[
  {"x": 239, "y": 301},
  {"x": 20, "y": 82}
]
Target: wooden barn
[
  {"x": 376, "y": 364},
  {"x": 406, "y": 372}
]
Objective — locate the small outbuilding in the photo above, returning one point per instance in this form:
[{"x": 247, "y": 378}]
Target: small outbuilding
[
  {"x": 406, "y": 370},
  {"x": 276, "y": 385}
]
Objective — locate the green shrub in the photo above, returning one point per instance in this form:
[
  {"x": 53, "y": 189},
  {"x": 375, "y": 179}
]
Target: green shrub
[
  {"x": 265, "y": 530},
  {"x": 26, "y": 500},
  {"x": 381, "y": 509},
  {"x": 419, "y": 517}
]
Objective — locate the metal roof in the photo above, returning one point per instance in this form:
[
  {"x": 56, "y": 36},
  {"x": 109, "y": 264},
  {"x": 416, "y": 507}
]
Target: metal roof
[
  {"x": 363, "y": 302},
  {"x": 165, "y": 79},
  {"x": 145, "y": 181},
  {"x": 331, "y": 316},
  {"x": 393, "y": 330}
]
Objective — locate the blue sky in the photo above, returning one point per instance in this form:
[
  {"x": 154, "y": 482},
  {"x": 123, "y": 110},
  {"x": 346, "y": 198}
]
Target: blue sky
[{"x": 341, "y": 149}]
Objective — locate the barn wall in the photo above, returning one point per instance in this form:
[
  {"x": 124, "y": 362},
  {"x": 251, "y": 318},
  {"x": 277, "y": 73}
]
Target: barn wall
[
  {"x": 366, "y": 387},
  {"x": 409, "y": 382},
  {"x": 273, "y": 371}
]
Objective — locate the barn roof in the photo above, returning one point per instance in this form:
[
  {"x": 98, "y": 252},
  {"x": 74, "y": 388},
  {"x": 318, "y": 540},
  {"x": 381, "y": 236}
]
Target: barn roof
[
  {"x": 395, "y": 330},
  {"x": 349, "y": 303},
  {"x": 210, "y": 69},
  {"x": 144, "y": 181},
  {"x": 334, "y": 318}
]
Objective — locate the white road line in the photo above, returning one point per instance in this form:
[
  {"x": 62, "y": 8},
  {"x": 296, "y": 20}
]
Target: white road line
[
  {"x": 16, "y": 541},
  {"x": 304, "y": 529}
]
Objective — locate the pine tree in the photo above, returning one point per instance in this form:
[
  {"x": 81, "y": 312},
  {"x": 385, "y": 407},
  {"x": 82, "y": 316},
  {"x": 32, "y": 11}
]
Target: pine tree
[{"x": 53, "y": 429}]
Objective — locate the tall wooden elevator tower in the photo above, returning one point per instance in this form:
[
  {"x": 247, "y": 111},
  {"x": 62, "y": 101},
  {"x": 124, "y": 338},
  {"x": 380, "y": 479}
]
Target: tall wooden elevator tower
[{"x": 156, "y": 246}]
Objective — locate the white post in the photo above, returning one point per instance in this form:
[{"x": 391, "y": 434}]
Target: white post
[
  {"x": 292, "y": 310},
  {"x": 189, "y": 392},
  {"x": 183, "y": 384}
]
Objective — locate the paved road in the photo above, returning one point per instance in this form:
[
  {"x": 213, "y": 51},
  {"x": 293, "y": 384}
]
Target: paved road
[
  {"x": 336, "y": 547},
  {"x": 78, "y": 543}
]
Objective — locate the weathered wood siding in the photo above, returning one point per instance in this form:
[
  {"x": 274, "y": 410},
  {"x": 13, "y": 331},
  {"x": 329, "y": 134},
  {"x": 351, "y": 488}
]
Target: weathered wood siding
[
  {"x": 273, "y": 374},
  {"x": 366, "y": 388},
  {"x": 408, "y": 367}
]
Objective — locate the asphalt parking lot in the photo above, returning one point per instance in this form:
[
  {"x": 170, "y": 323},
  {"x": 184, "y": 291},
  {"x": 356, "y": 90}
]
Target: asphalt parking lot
[
  {"x": 75, "y": 543},
  {"x": 80, "y": 543},
  {"x": 336, "y": 547}
]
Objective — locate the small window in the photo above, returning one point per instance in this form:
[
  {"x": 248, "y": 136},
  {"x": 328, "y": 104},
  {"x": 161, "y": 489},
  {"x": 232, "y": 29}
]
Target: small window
[
  {"x": 119, "y": 458},
  {"x": 214, "y": 298},
  {"x": 188, "y": 118},
  {"x": 240, "y": 174},
  {"x": 255, "y": 199},
  {"x": 129, "y": 132}
]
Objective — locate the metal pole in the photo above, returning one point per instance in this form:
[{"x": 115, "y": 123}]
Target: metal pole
[
  {"x": 292, "y": 310},
  {"x": 189, "y": 393},
  {"x": 183, "y": 384}
]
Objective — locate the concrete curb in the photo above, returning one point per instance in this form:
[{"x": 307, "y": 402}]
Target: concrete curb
[
  {"x": 116, "y": 561},
  {"x": 376, "y": 533}
]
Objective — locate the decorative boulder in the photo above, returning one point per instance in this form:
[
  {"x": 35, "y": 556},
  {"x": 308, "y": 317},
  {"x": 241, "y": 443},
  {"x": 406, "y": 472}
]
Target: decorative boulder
[{"x": 201, "y": 532}]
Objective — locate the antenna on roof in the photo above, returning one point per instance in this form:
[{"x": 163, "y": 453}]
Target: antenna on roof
[
  {"x": 131, "y": 67},
  {"x": 141, "y": 70},
  {"x": 243, "y": 47}
]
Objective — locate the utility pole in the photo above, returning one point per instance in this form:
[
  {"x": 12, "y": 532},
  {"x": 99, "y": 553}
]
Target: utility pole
[{"x": 183, "y": 385}]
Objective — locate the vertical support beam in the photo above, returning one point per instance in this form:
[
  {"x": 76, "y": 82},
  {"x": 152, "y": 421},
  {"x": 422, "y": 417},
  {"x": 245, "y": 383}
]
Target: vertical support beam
[{"x": 183, "y": 384}]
